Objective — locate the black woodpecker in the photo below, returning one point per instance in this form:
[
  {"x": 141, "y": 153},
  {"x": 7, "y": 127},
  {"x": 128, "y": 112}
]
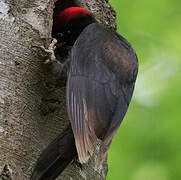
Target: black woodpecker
[{"x": 101, "y": 77}]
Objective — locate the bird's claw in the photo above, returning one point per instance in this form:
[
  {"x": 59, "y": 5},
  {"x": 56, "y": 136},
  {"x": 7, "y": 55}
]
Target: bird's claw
[
  {"x": 52, "y": 46},
  {"x": 49, "y": 51}
]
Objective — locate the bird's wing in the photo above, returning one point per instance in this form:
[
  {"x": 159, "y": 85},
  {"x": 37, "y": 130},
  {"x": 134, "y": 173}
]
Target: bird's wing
[{"x": 99, "y": 68}]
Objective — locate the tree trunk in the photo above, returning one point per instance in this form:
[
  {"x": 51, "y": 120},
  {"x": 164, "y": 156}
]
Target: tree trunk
[{"x": 32, "y": 109}]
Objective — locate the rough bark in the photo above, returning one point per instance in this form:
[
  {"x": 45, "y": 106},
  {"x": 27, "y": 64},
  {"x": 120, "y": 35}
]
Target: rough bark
[{"x": 32, "y": 109}]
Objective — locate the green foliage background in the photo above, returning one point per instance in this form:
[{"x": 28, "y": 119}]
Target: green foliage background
[{"x": 148, "y": 144}]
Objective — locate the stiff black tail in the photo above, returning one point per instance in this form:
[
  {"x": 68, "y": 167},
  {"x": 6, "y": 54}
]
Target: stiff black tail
[{"x": 55, "y": 157}]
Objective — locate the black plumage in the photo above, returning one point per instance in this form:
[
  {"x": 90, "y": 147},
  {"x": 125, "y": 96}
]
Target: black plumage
[
  {"x": 56, "y": 157},
  {"x": 102, "y": 71}
]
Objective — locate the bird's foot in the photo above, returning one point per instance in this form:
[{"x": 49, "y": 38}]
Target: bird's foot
[
  {"x": 49, "y": 52},
  {"x": 101, "y": 156}
]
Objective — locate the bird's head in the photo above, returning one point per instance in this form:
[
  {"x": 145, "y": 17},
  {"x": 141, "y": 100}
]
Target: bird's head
[{"x": 70, "y": 22}]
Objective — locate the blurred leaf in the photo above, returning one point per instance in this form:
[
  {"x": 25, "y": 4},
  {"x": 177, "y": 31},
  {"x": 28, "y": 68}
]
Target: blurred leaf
[{"x": 148, "y": 145}]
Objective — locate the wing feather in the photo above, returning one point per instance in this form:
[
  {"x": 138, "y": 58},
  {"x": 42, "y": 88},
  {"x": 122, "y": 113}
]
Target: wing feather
[{"x": 85, "y": 137}]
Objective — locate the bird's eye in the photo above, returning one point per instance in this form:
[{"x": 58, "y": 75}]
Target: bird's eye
[
  {"x": 60, "y": 35},
  {"x": 68, "y": 31}
]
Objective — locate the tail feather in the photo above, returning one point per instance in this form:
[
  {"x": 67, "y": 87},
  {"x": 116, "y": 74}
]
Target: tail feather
[{"x": 55, "y": 157}]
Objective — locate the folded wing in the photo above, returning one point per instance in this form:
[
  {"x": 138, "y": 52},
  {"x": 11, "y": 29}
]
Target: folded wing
[{"x": 103, "y": 70}]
